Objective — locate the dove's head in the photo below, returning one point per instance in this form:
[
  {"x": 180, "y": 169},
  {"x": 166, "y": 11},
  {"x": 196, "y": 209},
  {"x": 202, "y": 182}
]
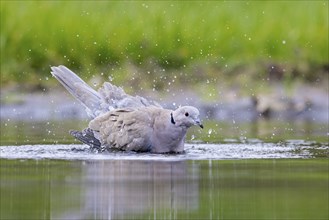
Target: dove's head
[{"x": 186, "y": 116}]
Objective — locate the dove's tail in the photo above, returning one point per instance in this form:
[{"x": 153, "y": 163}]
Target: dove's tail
[
  {"x": 79, "y": 89},
  {"x": 87, "y": 137}
]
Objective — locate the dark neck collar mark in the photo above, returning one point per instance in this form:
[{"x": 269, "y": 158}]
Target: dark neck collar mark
[{"x": 172, "y": 119}]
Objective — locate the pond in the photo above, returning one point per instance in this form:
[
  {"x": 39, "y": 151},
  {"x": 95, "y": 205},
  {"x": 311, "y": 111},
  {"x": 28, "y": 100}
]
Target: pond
[{"x": 230, "y": 170}]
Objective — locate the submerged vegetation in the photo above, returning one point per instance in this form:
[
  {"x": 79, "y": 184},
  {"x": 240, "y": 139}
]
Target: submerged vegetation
[{"x": 180, "y": 41}]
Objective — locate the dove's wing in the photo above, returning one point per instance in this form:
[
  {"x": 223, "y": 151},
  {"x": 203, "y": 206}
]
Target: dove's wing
[
  {"x": 125, "y": 129},
  {"x": 115, "y": 98},
  {"x": 107, "y": 98},
  {"x": 143, "y": 129}
]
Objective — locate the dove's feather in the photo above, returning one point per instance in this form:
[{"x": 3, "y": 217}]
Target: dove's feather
[
  {"x": 79, "y": 89},
  {"x": 108, "y": 97},
  {"x": 143, "y": 129},
  {"x": 115, "y": 98},
  {"x": 87, "y": 136},
  {"x": 125, "y": 122}
]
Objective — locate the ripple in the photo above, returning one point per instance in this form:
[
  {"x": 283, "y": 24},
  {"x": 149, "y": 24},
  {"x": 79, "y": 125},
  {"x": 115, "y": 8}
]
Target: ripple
[{"x": 250, "y": 150}]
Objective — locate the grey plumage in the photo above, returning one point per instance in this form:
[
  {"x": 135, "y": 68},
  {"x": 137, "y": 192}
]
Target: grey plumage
[
  {"x": 124, "y": 122},
  {"x": 79, "y": 89},
  {"x": 87, "y": 136},
  {"x": 107, "y": 98}
]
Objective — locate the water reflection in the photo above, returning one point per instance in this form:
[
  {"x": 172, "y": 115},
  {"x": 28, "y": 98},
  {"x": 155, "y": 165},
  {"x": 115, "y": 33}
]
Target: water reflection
[
  {"x": 119, "y": 189},
  {"x": 127, "y": 189}
]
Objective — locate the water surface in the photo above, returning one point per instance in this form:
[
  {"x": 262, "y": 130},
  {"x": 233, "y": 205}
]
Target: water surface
[
  {"x": 260, "y": 170},
  {"x": 142, "y": 189}
]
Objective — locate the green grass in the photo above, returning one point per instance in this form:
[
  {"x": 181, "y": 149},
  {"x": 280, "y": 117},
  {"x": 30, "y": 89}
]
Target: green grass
[{"x": 116, "y": 37}]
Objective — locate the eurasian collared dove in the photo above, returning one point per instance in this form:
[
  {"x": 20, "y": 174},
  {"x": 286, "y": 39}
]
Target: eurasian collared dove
[{"x": 124, "y": 122}]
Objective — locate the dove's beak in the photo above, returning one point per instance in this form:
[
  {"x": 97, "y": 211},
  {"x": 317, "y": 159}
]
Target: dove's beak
[{"x": 197, "y": 122}]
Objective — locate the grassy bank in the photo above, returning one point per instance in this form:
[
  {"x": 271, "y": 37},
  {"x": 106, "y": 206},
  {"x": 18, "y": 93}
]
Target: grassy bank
[{"x": 152, "y": 39}]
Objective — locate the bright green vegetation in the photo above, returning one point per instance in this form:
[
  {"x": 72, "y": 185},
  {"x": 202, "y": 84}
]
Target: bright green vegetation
[{"x": 195, "y": 40}]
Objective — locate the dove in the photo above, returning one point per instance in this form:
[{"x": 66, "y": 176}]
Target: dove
[{"x": 129, "y": 123}]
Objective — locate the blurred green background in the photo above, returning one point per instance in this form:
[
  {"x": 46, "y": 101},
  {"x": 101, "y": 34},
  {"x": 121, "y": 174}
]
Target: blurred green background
[{"x": 193, "y": 41}]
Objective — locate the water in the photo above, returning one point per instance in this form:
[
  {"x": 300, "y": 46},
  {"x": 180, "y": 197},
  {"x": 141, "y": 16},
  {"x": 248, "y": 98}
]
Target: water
[
  {"x": 142, "y": 189},
  {"x": 225, "y": 173},
  {"x": 251, "y": 150}
]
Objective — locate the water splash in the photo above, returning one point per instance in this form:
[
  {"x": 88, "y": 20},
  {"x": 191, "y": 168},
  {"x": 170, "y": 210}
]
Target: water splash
[{"x": 253, "y": 149}]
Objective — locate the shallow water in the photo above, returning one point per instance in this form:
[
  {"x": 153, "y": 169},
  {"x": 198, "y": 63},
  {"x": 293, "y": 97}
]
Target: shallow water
[
  {"x": 151, "y": 189},
  {"x": 254, "y": 149},
  {"x": 225, "y": 173}
]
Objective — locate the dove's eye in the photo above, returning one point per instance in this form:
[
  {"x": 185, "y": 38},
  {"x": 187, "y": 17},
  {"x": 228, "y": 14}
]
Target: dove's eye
[{"x": 186, "y": 114}]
